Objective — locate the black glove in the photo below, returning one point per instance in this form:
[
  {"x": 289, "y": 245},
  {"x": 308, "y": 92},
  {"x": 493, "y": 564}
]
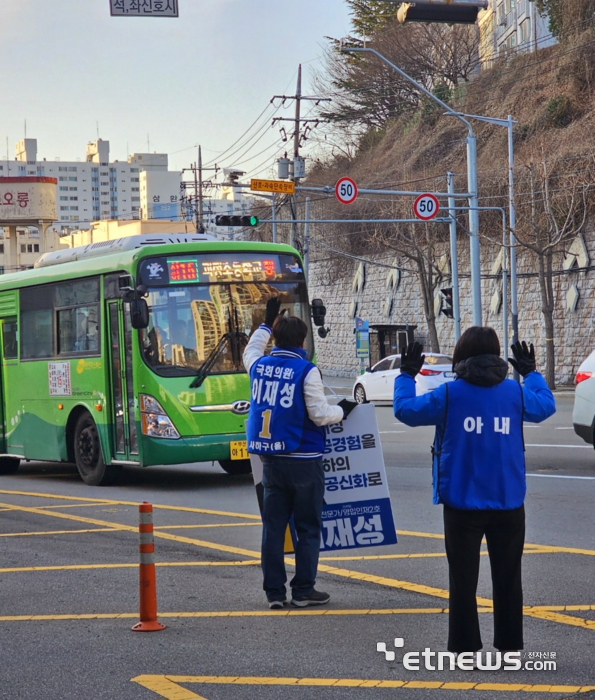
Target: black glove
[
  {"x": 273, "y": 306},
  {"x": 411, "y": 359},
  {"x": 524, "y": 358},
  {"x": 347, "y": 405}
]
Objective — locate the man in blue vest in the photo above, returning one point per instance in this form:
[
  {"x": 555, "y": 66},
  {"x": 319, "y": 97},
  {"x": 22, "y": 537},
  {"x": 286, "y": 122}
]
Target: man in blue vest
[
  {"x": 479, "y": 473},
  {"x": 288, "y": 410}
]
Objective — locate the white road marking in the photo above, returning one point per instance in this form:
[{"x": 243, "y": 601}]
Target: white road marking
[
  {"x": 571, "y": 428},
  {"x": 392, "y": 432},
  {"x": 575, "y": 447},
  {"x": 557, "y": 476}
]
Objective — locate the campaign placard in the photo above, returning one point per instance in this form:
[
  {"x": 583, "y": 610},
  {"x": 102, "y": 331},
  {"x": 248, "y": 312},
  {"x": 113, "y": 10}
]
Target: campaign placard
[{"x": 357, "y": 510}]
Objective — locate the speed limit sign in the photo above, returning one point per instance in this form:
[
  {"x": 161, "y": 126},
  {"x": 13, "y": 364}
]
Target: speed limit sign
[
  {"x": 426, "y": 207},
  {"x": 346, "y": 190}
]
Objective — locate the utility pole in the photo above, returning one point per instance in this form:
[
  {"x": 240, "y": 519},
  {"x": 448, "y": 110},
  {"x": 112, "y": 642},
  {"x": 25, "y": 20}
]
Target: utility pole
[
  {"x": 200, "y": 228},
  {"x": 197, "y": 201},
  {"x": 297, "y": 169}
]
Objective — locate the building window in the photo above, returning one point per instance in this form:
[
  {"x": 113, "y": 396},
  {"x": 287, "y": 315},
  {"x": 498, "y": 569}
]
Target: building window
[
  {"x": 36, "y": 247},
  {"x": 63, "y": 199},
  {"x": 73, "y": 179},
  {"x": 74, "y": 208},
  {"x": 62, "y": 169},
  {"x": 74, "y": 199},
  {"x": 72, "y": 170},
  {"x": 134, "y": 179},
  {"x": 23, "y": 248},
  {"x": 1, "y": 248},
  {"x": 63, "y": 179},
  {"x": 64, "y": 208},
  {"x": 74, "y": 218},
  {"x": 73, "y": 189},
  {"x": 134, "y": 189}
]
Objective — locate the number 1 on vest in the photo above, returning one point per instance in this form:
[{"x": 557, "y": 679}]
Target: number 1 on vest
[{"x": 265, "y": 433}]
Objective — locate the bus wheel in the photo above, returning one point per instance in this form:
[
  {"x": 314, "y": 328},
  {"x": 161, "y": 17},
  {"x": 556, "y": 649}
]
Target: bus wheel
[
  {"x": 87, "y": 453},
  {"x": 236, "y": 466},
  {"x": 9, "y": 465}
]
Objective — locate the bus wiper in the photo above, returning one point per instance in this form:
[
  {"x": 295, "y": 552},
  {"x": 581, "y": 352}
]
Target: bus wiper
[{"x": 235, "y": 339}]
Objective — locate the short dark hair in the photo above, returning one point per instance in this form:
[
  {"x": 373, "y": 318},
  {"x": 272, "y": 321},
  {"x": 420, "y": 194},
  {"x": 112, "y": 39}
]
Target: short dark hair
[
  {"x": 289, "y": 331},
  {"x": 477, "y": 340}
]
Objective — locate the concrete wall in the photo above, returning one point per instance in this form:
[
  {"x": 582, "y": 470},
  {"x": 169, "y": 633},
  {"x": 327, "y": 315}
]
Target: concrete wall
[{"x": 574, "y": 340}]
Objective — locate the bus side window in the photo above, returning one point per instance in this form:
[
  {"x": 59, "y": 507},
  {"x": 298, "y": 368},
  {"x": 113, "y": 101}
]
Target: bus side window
[{"x": 10, "y": 348}]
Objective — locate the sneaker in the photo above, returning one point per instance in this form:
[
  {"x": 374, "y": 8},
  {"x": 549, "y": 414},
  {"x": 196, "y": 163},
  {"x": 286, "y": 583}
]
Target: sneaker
[
  {"x": 314, "y": 598},
  {"x": 277, "y": 604}
]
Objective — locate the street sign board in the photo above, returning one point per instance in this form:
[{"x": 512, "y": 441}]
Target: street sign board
[
  {"x": 426, "y": 207},
  {"x": 280, "y": 186},
  {"x": 346, "y": 190},
  {"x": 144, "y": 8},
  {"x": 362, "y": 339}
]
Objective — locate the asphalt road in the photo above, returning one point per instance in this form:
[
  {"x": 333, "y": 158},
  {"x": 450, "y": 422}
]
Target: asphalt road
[{"x": 69, "y": 587}]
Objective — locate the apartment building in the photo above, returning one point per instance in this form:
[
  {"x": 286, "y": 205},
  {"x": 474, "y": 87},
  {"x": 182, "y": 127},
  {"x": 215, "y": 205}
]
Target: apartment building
[
  {"x": 510, "y": 26},
  {"x": 96, "y": 188}
]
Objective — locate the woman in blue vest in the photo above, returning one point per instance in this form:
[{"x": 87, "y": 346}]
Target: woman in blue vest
[{"x": 479, "y": 473}]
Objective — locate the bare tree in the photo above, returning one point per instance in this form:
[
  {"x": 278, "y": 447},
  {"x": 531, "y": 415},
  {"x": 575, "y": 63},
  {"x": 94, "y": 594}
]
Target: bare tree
[{"x": 550, "y": 216}]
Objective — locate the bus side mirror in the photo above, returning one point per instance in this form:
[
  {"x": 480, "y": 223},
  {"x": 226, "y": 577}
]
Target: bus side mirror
[
  {"x": 318, "y": 312},
  {"x": 139, "y": 314}
]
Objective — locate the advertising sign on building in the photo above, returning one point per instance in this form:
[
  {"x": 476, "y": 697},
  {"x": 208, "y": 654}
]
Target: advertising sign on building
[
  {"x": 357, "y": 510},
  {"x": 144, "y": 8},
  {"x": 27, "y": 199}
]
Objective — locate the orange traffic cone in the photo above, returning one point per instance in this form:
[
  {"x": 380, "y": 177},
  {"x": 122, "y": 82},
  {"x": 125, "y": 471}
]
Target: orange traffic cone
[{"x": 148, "y": 589}]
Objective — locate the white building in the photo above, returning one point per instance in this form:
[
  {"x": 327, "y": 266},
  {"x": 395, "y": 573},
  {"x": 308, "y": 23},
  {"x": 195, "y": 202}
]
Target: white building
[
  {"x": 97, "y": 188},
  {"x": 509, "y": 26}
]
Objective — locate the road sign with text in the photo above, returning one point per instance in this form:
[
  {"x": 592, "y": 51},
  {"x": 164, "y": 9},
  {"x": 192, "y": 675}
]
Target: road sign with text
[
  {"x": 144, "y": 8},
  {"x": 426, "y": 207},
  {"x": 346, "y": 190},
  {"x": 281, "y": 186}
]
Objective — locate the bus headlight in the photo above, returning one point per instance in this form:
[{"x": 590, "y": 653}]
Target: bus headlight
[{"x": 154, "y": 420}]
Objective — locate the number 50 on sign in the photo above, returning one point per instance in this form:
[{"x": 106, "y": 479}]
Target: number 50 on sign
[{"x": 426, "y": 207}]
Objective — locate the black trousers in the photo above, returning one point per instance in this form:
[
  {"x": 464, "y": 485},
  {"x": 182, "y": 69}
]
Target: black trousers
[{"x": 504, "y": 531}]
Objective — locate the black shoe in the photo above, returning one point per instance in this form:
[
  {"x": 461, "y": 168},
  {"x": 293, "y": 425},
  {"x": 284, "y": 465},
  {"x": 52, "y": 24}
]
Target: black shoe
[
  {"x": 277, "y": 604},
  {"x": 314, "y": 598}
]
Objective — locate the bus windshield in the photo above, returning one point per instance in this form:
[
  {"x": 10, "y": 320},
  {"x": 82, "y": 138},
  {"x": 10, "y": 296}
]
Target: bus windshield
[{"x": 196, "y": 302}]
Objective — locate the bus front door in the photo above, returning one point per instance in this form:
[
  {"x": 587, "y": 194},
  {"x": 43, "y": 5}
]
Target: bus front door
[{"x": 123, "y": 424}]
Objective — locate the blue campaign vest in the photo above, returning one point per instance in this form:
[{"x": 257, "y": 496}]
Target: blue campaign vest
[
  {"x": 278, "y": 422},
  {"x": 479, "y": 453}
]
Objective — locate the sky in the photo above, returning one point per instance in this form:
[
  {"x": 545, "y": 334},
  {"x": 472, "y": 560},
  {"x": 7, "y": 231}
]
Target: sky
[{"x": 69, "y": 70}]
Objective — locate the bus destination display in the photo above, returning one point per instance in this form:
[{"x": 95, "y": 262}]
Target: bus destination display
[
  {"x": 220, "y": 268},
  {"x": 183, "y": 271}
]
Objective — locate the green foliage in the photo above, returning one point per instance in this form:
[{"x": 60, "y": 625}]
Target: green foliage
[
  {"x": 566, "y": 17},
  {"x": 370, "y": 16},
  {"x": 559, "y": 111}
]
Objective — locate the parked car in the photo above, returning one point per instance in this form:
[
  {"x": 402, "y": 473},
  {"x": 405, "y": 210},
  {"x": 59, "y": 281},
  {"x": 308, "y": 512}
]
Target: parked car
[
  {"x": 378, "y": 383},
  {"x": 583, "y": 415}
]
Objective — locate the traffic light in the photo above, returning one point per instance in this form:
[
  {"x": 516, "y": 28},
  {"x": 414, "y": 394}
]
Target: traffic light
[
  {"x": 447, "y": 310},
  {"x": 245, "y": 221},
  {"x": 442, "y": 11}
]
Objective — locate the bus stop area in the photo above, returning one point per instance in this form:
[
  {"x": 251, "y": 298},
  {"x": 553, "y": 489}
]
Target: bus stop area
[{"x": 69, "y": 580}]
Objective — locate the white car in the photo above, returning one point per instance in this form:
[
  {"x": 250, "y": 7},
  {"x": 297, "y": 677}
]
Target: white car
[
  {"x": 583, "y": 415},
  {"x": 378, "y": 383}
]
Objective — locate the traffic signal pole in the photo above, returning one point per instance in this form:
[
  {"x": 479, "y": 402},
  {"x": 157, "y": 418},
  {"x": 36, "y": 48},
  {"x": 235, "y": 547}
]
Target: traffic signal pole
[
  {"x": 471, "y": 180},
  {"x": 454, "y": 262}
]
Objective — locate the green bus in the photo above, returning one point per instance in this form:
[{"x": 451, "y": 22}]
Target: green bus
[{"x": 129, "y": 351}]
